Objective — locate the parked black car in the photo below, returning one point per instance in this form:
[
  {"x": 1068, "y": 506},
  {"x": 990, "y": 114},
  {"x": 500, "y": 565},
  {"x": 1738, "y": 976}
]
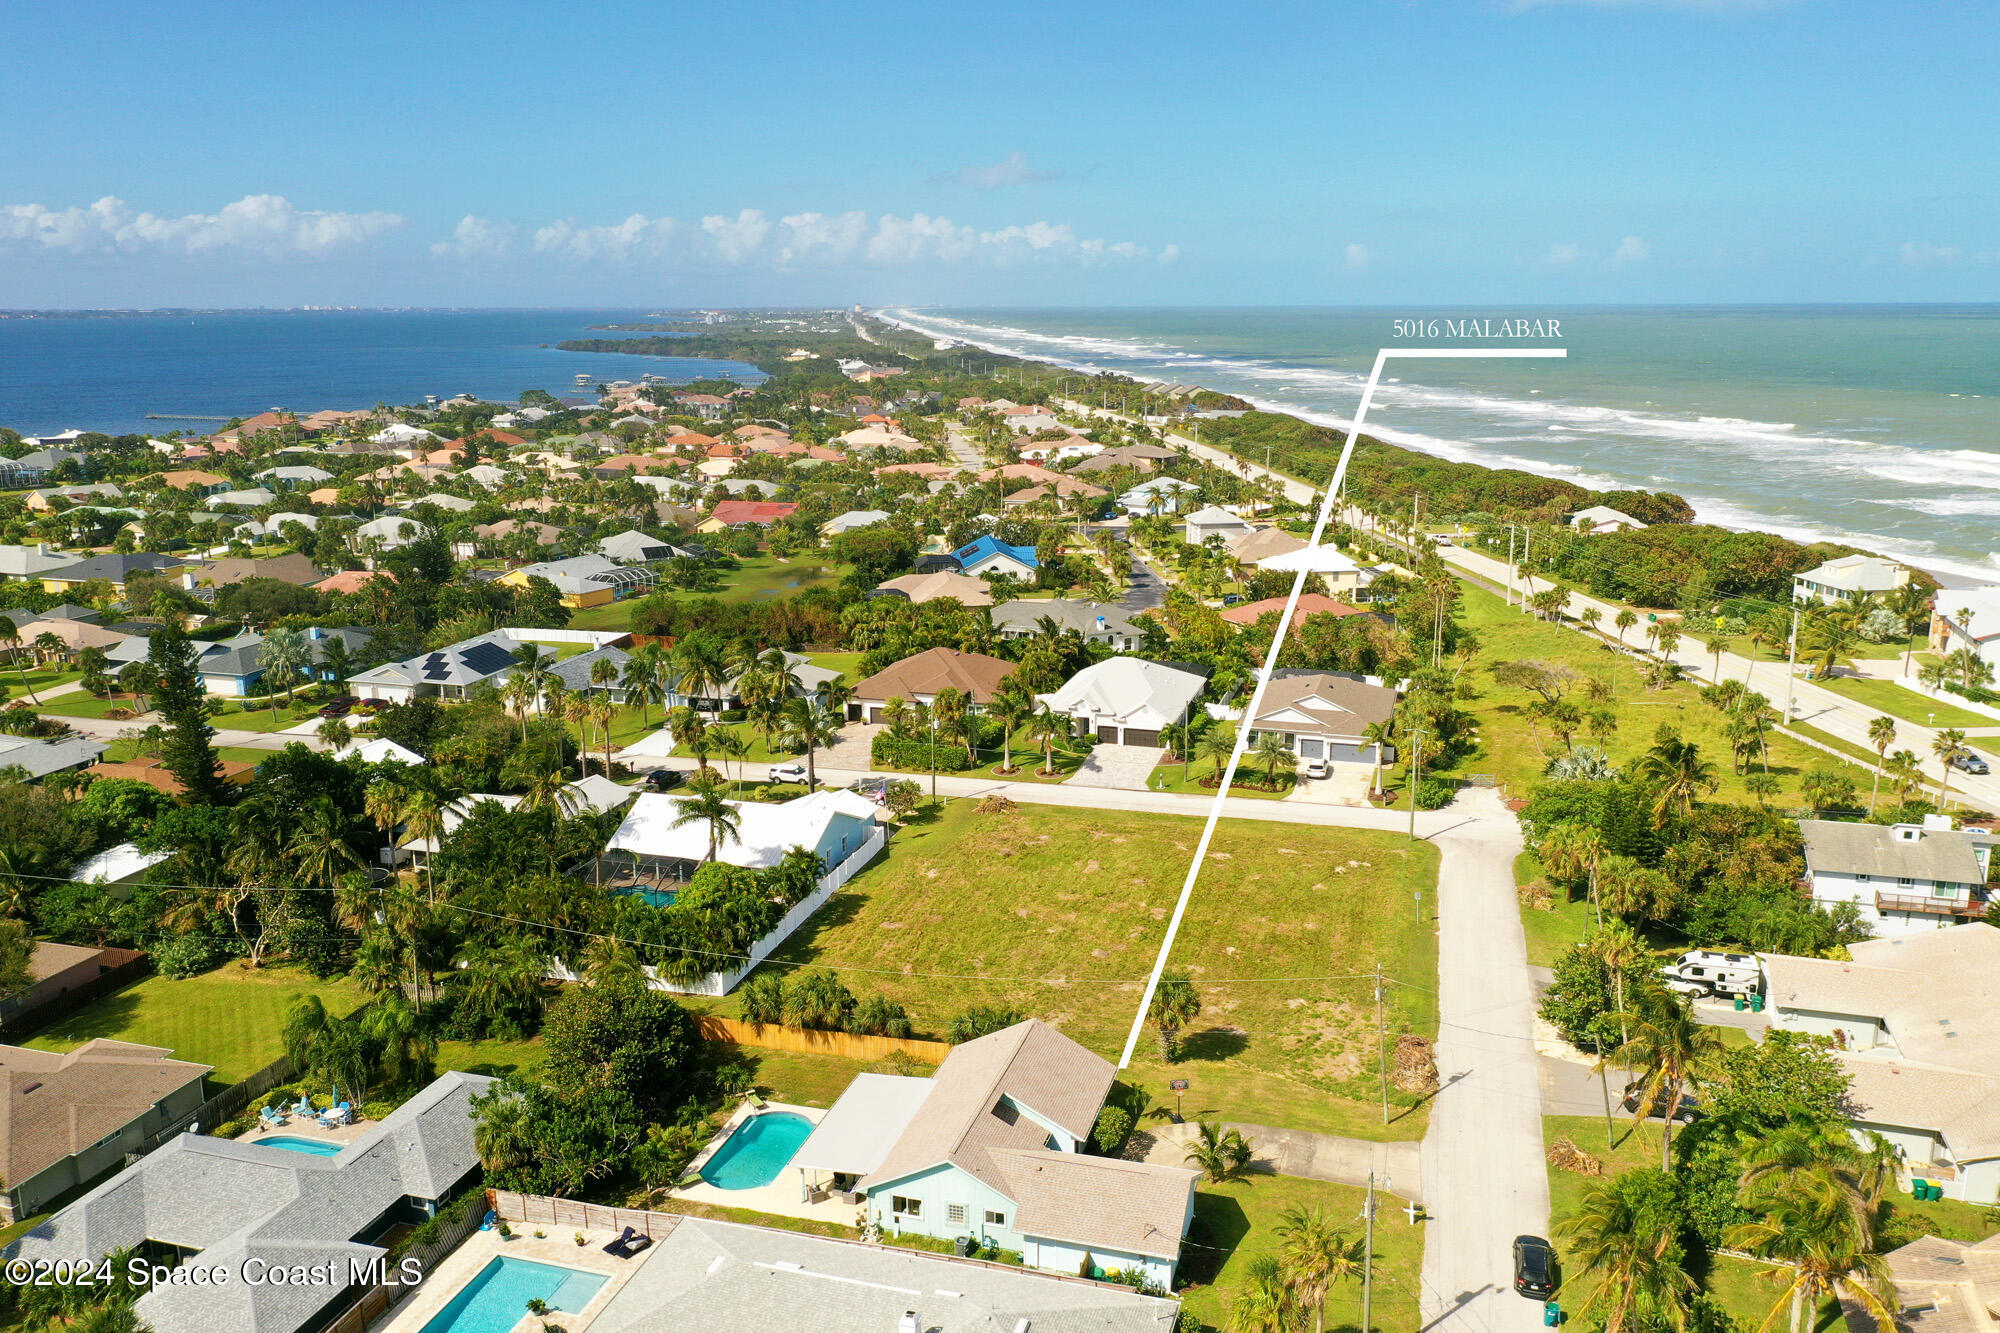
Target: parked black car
[
  {"x": 1534, "y": 1267},
  {"x": 1686, "y": 1113},
  {"x": 665, "y": 779}
]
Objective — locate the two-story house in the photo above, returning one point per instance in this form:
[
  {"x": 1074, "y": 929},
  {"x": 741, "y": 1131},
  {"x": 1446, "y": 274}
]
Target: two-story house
[{"x": 1902, "y": 877}]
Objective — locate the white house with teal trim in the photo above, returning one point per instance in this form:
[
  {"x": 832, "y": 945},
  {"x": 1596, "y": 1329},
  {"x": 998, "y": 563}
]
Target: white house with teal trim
[{"x": 994, "y": 1148}]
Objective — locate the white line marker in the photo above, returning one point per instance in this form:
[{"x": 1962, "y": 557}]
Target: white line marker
[{"x": 1277, "y": 640}]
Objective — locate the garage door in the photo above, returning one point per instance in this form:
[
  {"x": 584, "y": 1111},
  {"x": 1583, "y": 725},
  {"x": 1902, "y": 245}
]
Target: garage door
[
  {"x": 874, "y": 713},
  {"x": 1107, "y": 732},
  {"x": 1341, "y": 753},
  {"x": 1134, "y": 736}
]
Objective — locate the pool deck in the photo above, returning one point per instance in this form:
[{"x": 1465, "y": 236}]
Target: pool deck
[
  {"x": 300, "y": 1128},
  {"x": 781, "y": 1196},
  {"x": 558, "y": 1248}
]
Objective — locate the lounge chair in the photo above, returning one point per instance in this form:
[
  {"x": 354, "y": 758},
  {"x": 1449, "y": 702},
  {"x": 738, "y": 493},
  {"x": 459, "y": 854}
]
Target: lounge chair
[
  {"x": 629, "y": 1243},
  {"x": 271, "y": 1117},
  {"x": 492, "y": 1219}
]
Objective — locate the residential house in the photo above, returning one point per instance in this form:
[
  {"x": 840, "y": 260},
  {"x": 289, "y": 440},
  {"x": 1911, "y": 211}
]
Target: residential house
[
  {"x": 1900, "y": 877},
  {"x": 194, "y": 481},
  {"x": 243, "y": 1207},
  {"x": 1907, "y": 1018},
  {"x": 851, "y": 521},
  {"x": 576, "y": 671},
  {"x": 487, "y": 475},
  {"x": 1161, "y": 495},
  {"x": 1067, "y": 488},
  {"x": 1967, "y": 618},
  {"x": 729, "y": 514},
  {"x": 38, "y": 758},
  {"x": 585, "y": 580},
  {"x": 291, "y": 567},
  {"x": 1127, "y": 700},
  {"x": 274, "y": 526},
  {"x": 33, "y": 468},
  {"x": 1210, "y": 521},
  {"x": 1028, "y": 419},
  {"x": 1095, "y": 622},
  {"x": 76, "y": 635},
  {"x": 232, "y": 772},
  {"x": 116, "y": 868},
  {"x": 401, "y": 436},
  {"x": 71, "y": 1117},
  {"x": 921, "y": 588},
  {"x": 992, "y": 1147},
  {"x": 1848, "y": 579},
  {"x": 1139, "y": 457},
  {"x": 494, "y": 534},
  {"x": 449, "y": 673},
  {"x": 1066, "y": 450},
  {"x": 990, "y": 555},
  {"x": 53, "y": 497},
  {"x": 1326, "y": 715},
  {"x": 256, "y": 497},
  {"x": 832, "y": 824},
  {"x": 705, "y": 1275},
  {"x": 351, "y": 580},
  {"x": 1033, "y": 473},
  {"x": 236, "y": 669},
  {"x": 112, "y": 568},
  {"x": 1260, "y": 544},
  {"x": 34, "y": 560},
  {"x": 707, "y": 406},
  {"x": 388, "y": 533},
  {"x": 1310, "y": 604},
  {"x": 1601, "y": 519},
  {"x": 1938, "y": 1285},
  {"x": 920, "y": 678},
  {"x": 1339, "y": 572},
  {"x": 878, "y": 437},
  {"x": 452, "y": 504},
  {"x": 56, "y": 970},
  {"x": 633, "y": 547},
  {"x": 291, "y": 478}
]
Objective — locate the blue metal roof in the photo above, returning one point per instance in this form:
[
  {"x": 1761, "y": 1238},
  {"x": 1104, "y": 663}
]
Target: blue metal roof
[{"x": 974, "y": 551}]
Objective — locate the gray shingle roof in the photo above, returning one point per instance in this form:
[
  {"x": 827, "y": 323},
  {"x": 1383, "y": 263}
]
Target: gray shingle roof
[
  {"x": 575, "y": 671},
  {"x": 232, "y": 1201},
  {"x": 1841, "y": 848}
]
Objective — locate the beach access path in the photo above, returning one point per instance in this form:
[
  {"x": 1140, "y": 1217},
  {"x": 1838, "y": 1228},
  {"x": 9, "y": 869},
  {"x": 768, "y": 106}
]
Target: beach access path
[{"x": 1836, "y": 715}]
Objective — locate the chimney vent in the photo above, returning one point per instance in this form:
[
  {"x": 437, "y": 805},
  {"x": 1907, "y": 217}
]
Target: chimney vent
[{"x": 908, "y": 1323}]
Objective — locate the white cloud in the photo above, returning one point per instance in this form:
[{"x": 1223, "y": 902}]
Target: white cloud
[
  {"x": 264, "y": 224},
  {"x": 477, "y": 238},
  {"x": 1012, "y": 169},
  {"x": 1359, "y": 256},
  {"x": 1562, "y": 254},
  {"x": 1922, "y": 254},
  {"x": 1569, "y": 255},
  {"x": 834, "y": 240},
  {"x": 1631, "y": 250}
]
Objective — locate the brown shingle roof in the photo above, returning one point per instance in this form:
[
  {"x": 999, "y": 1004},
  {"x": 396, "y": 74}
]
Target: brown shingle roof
[
  {"x": 936, "y": 669},
  {"x": 57, "y": 1104}
]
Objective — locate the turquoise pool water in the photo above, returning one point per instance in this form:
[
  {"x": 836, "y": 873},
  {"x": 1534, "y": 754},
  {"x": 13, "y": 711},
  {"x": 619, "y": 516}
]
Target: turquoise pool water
[
  {"x": 653, "y": 897},
  {"x": 757, "y": 1151},
  {"x": 495, "y": 1301},
  {"x": 314, "y": 1147}
]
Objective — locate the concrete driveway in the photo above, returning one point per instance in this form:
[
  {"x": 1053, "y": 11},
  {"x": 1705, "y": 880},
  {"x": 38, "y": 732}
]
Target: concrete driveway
[
  {"x": 1347, "y": 784},
  {"x": 852, "y": 750},
  {"x": 1126, "y": 766}
]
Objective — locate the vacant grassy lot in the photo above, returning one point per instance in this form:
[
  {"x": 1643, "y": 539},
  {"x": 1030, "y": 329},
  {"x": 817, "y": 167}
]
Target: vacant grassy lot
[
  {"x": 231, "y": 1018},
  {"x": 1888, "y": 697},
  {"x": 1060, "y": 912},
  {"x": 1515, "y": 750},
  {"x": 491, "y": 1057},
  {"x": 1242, "y": 1218}
]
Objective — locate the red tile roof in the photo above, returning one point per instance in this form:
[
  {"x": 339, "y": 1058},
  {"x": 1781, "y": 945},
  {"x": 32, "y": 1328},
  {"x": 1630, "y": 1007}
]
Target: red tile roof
[
  {"x": 1310, "y": 604},
  {"x": 733, "y": 512}
]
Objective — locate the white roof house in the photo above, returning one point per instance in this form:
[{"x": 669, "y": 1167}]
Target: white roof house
[
  {"x": 391, "y": 530},
  {"x": 832, "y": 823},
  {"x": 1161, "y": 495},
  {"x": 254, "y": 498},
  {"x": 1212, "y": 521},
  {"x": 1603, "y": 518},
  {"x": 123, "y": 864},
  {"x": 379, "y": 749},
  {"x": 448, "y": 673},
  {"x": 1967, "y": 618},
  {"x": 1848, "y": 578},
  {"x": 852, "y": 519},
  {"x": 1908, "y": 1015},
  {"x": 401, "y": 434},
  {"x": 633, "y": 547},
  {"x": 487, "y": 475},
  {"x": 453, "y": 503},
  {"x": 295, "y": 475},
  {"x": 1127, "y": 700}
]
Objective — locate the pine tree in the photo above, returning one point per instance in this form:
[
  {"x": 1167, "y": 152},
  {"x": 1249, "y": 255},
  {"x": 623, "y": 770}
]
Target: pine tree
[{"x": 189, "y": 752}]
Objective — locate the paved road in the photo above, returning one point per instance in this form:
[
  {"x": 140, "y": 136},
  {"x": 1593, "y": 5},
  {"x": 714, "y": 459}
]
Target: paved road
[
  {"x": 963, "y": 450},
  {"x": 1145, "y": 590},
  {"x": 1482, "y": 1160},
  {"x": 104, "y": 729},
  {"x": 1398, "y": 1167}
]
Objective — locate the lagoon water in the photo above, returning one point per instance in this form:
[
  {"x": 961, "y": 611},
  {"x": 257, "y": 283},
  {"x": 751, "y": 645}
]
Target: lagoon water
[
  {"x": 107, "y": 373},
  {"x": 1874, "y": 425}
]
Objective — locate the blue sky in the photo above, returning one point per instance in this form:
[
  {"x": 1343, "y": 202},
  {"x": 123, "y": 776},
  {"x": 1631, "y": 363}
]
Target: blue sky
[{"x": 1446, "y": 151}]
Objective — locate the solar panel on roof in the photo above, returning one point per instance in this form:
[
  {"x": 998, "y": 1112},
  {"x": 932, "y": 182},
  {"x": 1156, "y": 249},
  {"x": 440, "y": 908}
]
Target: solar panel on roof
[
  {"x": 434, "y": 667},
  {"x": 486, "y": 658}
]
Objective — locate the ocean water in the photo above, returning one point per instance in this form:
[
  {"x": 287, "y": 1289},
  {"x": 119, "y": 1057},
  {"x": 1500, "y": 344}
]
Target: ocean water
[
  {"x": 1878, "y": 426},
  {"x": 108, "y": 373}
]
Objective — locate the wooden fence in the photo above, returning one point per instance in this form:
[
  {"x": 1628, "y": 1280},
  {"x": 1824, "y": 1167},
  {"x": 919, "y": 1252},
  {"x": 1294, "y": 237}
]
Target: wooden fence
[
  {"x": 809, "y": 1041},
  {"x": 122, "y": 967},
  {"x": 541, "y": 1210}
]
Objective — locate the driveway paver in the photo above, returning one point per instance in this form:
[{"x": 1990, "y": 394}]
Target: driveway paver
[{"x": 1124, "y": 766}]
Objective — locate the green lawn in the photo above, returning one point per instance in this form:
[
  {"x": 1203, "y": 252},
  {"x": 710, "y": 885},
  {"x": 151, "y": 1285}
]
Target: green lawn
[
  {"x": 1064, "y": 909},
  {"x": 262, "y": 717},
  {"x": 87, "y": 705},
  {"x": 767, "y": 576},
  {"x": 19, "y": 683},
  {"x": 612, "y": 615},
  {"x": 1888, "y": 697},
  {"x": 847, "y": 664},
  {"x": 230, "y": 1018},
  {"x": 1249, "y": 780},
  {"x": 1515, "y": 751},
  {"x": 808, "y": 1080},
  {"x": 124, "y": 751},
  {"x": 491, "y": 1056},
  {"x": 1554, "y": 930},
  {"x": 1242, "y": 1217}
]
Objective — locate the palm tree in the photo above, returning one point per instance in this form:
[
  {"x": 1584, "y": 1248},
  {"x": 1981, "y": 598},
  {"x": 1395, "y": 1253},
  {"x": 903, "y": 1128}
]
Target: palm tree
[
  {"x": 1906, "y": 774},
  {"x": 1828, "y": 643},
  {"x": 550, "y": 790},
  {"x": 1316, "y": 1254},
  {"x": 1045, "y": 728},
  {"x": 1881, "y": 735},
  {"x": 385, "y": 802},
  {"x": 1674, "y": 1054},
  {"x": 692, "y": 730},
  {"x": 1822, "y": 1156},
  {"x": 1012, "y": 705},
  {"x": 1763, "y": 786},
  {"x": 641, "y": 680},
  {"x": 424, "y": 815},
  {"x": 1589, "y": 617},
  {"x": 699, "y": 666},
  {"x": 1947, "y": 745},
  {"x": 1218, "y": 1153},
  {"x": 1624, "y": 620},
  {"x": 1676, "y": 771},
  {"x": 1633, "y": 1252},
  {"x": 1175, "y": 1004},
  {"x": 286, "y": 658},
  {"x": 608, "y": 961},
  {"x": 504, "y": 1133},
  {"x": 1274, "y": 754},
  {"x": 732, "y": 744},
  {"x": 1571, "y": 851},
  {"x": 10, "y": 638},
  {"x": 705, "y": 803},
  {"x": 319, "y": 850},
  {"x": 1817, "y": 1251},
  {"x": 1266, "y": 1302},
  {"x": 812, "y": 726},
  {"x": 602, "y": 711},
  {"x": 1217, "y": 743},
  {"x": 1716, "y": 645}
]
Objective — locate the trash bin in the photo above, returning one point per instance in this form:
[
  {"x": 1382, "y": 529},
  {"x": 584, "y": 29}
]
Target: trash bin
[
  {"x": 1919, "y": 1189},
  {"x": 963, "y": 1246},
  {"x": 1756, "y": 1004},
  {"x": 1741, "y": 1004},
  {"x": 1552, "y": 1315},
  {"x": 1934, "y": 1191}
]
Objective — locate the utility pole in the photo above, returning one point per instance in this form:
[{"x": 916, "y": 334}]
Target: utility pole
[
  {"x": 1510, "y": 564},
  {"x": 1381, "y": 1042},
  {"x": 1791, "y": 665},
  {"x": 1416, "y": 765},
  {"x": 1368, "y": 1258}
]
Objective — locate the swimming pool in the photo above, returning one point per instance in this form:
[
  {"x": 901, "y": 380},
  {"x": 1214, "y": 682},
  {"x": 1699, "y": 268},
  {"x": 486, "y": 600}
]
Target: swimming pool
[
  {"x": 652, "y": 897},
  {"x": 496, "y": 1300},
  {"x": 315, "y": 1147},
  {"x": 757, "y": 1151}
]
